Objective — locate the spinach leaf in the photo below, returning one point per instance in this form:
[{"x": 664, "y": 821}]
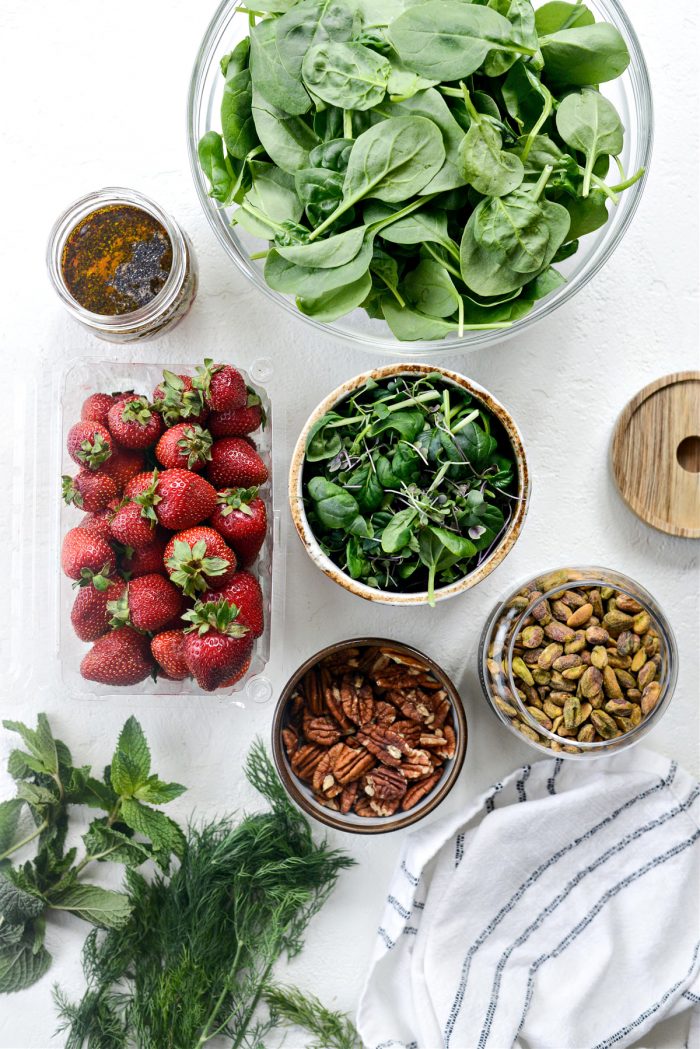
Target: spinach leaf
[
  {"x": 320, "y": 191},
  {"x": 325, "y": 254},
  {"x": 559, "y": 14},
  {"x": 409, "y": 325},
  {"x": 522, "y": 19},
  {"x": 309, "y": 283},
  {"x": 330, "y": 305},
  {"x": 427, "y": 225},
  {"x": 585, "y": 54},
  {"x": 216, "y": 166},
  {"x": 392, "y": 161},
  {"x": 398, "y": 532},
  {"x": 336, "y": 508},
  {"x": 508, "y": 239},
  {"x": 431, "y": 105},
  {"x": 308, "y": 23},
  {"x": 237, "y": 60},
  {"x": 403, "y": 83},
  {"x": 386, "y": 270},
  {"x": 590, "y": 123},
  {"x": 287, "y": 139},
  {"x": 524, "y": 95},
  {"x": 481, "y": 520},
  {"x": 348, "y": 75},
  {"x": 323, "y": 439},
  {"x": 586, "y": 214},
  {"x": 270, "y": 78},
  {"x": 483, "y": 162},
  {"x": 271, "y": 201},
  {"x": 448, "y": 40},
  {"x": 429, "y": 288},
  {"x": 237, "y": 125},
  {"x": 406, "y": 423},
  {"x": 332, "y": 154},
  {"x": 370, "y": 493}
]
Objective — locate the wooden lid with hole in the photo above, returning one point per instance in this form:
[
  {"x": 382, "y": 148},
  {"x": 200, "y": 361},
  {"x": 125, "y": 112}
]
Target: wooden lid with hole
[{"x": 656, "y": 454}]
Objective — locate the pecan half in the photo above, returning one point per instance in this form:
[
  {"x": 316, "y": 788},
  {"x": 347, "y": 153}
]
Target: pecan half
[
  {"x": 312, "y": 691},
  {"x": 290, "y": 739},
  {"x": 419, "y": 790},
  {"x": 322, "y": 730},
  {"x": 305, "y": 760},
  {"x": 385, "y": 784},
  {"x": 335, "y": 706},
  {"x": 357, "y": 699},
  {"x": 347, "y": 797},
  {"x": 384, "y": 713},
  {"x": 408, "y": 730},
  {"x": 417, "y": 764},
  {"x": 384, "y": 808},
  {"x": 348, "y": 763},
  {"x": 324, "y": 782},
  {"x": 386, "y": 745}
]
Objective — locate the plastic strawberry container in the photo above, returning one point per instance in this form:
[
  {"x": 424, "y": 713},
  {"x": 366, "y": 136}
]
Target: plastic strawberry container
[{"x": 41, "y": 594}]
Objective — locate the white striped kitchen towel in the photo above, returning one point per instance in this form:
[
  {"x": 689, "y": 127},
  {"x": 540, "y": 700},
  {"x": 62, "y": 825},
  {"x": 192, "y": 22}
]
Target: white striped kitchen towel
[{"x": 560, "y": 911}]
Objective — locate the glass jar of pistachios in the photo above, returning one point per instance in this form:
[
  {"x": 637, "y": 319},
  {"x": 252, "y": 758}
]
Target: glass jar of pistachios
[{"x": 579, "y": 661}]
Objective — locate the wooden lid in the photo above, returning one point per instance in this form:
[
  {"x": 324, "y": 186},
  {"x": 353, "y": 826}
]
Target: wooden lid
[{"x": 656, "y": 454}]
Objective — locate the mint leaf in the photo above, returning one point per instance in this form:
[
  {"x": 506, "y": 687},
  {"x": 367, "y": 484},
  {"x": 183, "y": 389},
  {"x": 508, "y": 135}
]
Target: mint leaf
[
  {"x": 125, "y": 775},
  {"x": 39, "y": 743},
  {"x": 10, "y": 935},
  {"x": 109, "y": 910},
  {"x": 20, "y": 764},
  {"x": 38, "y": 797},
  {"x": 158, "y": 792},
  {"x": 154, "y": 824},
  {"x": 10, "y": 812},
  {"x": 18, "y": 905},
  {"x": 131, "y": 763},
  {"x": 22, "y": 965},
  {"x": 84, "y": 789},
  {"x": 105, "y": 843}
]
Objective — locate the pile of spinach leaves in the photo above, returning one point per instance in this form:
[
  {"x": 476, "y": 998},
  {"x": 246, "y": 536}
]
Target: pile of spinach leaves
[
  {"x": 409, "y": 483},
  {"x": 430, "y": 162}
]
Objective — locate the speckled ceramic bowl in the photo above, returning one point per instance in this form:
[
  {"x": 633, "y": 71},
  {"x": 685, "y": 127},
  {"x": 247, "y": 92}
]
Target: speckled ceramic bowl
[
  {"x": 497, "y": 554},
  {"x": 301, "y": 793}
]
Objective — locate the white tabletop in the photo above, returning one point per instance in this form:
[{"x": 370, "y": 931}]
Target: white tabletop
[{"x": 94, "y": 94}]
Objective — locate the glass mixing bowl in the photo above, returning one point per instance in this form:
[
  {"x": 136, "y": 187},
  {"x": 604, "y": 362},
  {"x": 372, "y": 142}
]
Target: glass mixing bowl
[{"x": 630, "y": 93}]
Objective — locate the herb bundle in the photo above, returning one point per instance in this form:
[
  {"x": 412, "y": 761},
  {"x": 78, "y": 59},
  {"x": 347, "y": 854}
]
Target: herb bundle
[
  {"x": 195, "y": 959},
  {"x": 48, "y": 785},
  {"x": 408, "y": 483},
  {"x": 430, "y": 163}
]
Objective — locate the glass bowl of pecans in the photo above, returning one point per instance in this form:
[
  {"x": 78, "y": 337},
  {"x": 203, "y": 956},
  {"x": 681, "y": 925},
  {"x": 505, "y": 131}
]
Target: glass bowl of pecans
[
  {"x": 578, "y": 661},
  {"x": 369, "y": 736}
]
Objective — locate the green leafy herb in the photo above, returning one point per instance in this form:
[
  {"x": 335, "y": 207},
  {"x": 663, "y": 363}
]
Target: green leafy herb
[
  {"x": 195, "y": 959},
  {"x": 479, "y": 126},
  {"x": 48, "y": 784},
  {"x": 409, "y": 482}
]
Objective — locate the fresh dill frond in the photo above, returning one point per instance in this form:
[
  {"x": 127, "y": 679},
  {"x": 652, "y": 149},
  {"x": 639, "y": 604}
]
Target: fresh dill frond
[
  {"x": 330, "y": 1030},
  {"x": 195, "y": 960}
]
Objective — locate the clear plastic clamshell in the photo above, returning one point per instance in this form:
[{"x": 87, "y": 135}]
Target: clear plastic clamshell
[{"x": 41, "y": 595}]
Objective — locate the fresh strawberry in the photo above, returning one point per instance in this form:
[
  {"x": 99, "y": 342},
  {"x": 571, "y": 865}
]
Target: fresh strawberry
[
  {"x": 177, "y": 401},
  {"x": 99, "y": 521},
  {"x": 85, "y": 554},
  {"x": 147, "y": 603},
  {"x": 124, "y": 464},
  {"x": 148, "y": 559},
  {"x": 132, "y": 528},
  {"x": 216, "y": 645},
  {"x": 236, "y": 422},
  {"x": 185, "y": 446},
  {"x": 198, "y": 559},
  {"x": 241, "y": 518},
  {"x": 168, "y": 649},
  {"x": 96, "y": 407},
  {"x": 138, "y": 483},
  {"x": 134, "y": 423},
  {"x": 122, "y": 657},
  {"x": 243, "y": 591},
  {"x": 223, "y": 387},
  {"x": 89, "y": 444},
  {"x": 89, "y": 490},
  {"x": 238, "y": 675},
  {"x": 89, "y": 615},
  {"x": 234, "y": 464},
  {"x": 178, "y": 499}
]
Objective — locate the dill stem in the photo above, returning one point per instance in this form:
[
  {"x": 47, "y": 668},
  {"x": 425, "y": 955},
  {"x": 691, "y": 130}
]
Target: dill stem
[
  {"x": 253, "y": 1005},
  {"x": 206, "y": 1035}
]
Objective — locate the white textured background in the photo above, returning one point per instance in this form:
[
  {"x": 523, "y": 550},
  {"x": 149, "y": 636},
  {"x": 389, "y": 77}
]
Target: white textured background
[{"x": 94, "y": 94}]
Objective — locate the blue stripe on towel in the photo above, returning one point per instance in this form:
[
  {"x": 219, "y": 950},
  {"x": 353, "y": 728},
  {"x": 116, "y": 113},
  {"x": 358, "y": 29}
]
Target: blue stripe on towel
[
  {"x": 536, "y": 874},
  {"x": 624, "y": 1031}
]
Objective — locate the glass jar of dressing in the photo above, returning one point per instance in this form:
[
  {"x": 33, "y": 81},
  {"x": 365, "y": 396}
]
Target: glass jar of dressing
[{"x": 121, "y": 265}]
